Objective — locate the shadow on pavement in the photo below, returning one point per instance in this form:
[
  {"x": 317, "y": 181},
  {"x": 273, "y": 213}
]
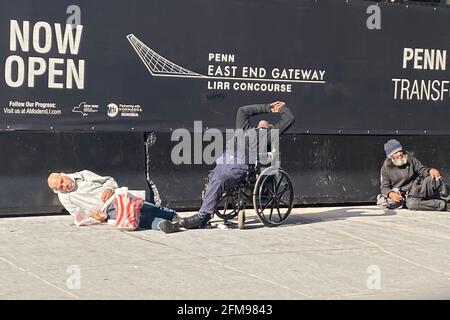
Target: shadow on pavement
[
  {"x": 253, "y": 222},
  {"x": 336, "y": 214}
]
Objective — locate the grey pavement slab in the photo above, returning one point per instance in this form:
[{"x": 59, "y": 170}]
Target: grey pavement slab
[{"x": 319, "y": 253}]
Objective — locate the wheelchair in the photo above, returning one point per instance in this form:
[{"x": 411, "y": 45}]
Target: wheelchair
[{"x": 268, "y": 189}]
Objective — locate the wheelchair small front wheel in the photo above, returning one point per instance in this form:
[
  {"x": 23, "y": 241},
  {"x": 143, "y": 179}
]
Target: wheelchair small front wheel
[
  {"x": 228, "y": 207},
  {"x": 241, "y": 219}
]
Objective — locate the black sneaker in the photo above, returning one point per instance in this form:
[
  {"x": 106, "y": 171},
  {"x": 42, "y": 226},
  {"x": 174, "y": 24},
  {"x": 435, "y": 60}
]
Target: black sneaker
[
  {"x": 447, "y": 206},
  {"x": 167, "y": 226},
  {"x": 176, "y": 218},
  {"x": 193, "y": 222}
]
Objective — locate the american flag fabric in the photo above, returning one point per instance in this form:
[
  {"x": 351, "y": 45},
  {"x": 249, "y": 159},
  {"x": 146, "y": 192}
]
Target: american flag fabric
[{"x": 128, "y": 210}]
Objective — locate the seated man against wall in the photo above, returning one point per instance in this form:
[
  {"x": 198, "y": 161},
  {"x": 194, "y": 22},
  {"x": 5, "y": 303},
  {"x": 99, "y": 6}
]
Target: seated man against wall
[
  {"x": 88, "y": 191},
  {"x": 406, "y": 182}
]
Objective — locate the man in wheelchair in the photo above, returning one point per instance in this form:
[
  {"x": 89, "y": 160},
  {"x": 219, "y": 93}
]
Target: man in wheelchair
[{"x": 240, "y": 156}]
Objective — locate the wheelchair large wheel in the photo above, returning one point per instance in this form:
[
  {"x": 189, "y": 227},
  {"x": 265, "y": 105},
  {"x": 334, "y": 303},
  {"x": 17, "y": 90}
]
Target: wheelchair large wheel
[{"x": 273, "y": 196}]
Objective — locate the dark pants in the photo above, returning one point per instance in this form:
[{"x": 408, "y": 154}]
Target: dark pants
[
  {"x": 222, "y": 178},
  {"x": 424, "y": 195}
]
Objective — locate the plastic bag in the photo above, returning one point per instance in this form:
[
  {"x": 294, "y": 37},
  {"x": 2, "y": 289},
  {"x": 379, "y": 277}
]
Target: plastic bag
[
  {"x": 82, "y": 218},
  {"x": 128, "y": 209}
]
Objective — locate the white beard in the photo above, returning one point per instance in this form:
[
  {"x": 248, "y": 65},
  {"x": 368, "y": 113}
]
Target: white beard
[{"x": 400, "y": 162}]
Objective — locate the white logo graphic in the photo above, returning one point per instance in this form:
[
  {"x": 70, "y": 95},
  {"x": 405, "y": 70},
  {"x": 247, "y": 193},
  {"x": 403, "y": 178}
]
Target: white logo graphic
[
  {"x": 73, "y": 282},
  {"x": 158, "y": 65},
  {"x": 113, "y": 110},
  {"x": 80, "y": 109},
  {"x": 123, "y": 110},
  {"x": 374, "y": 279},
  {"x": 229, "y": 77},
  {"x": 85, "y": 108}
]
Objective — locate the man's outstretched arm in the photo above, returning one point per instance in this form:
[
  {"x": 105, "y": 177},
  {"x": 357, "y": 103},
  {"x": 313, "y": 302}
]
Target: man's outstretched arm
[
  {"x": 287, "y": 119},
  {"x": 244, "y": 113}
]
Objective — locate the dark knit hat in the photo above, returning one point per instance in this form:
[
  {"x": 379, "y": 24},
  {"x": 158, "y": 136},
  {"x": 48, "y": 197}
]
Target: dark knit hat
[{"x": 391, "y": 147}]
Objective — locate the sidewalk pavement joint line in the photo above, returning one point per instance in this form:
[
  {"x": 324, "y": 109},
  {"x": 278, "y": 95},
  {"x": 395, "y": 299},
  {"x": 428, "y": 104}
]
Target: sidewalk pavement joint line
[
  {"x": 374, "y": 293},
  {"x": 39, "y": 278},
  {"x": 259, "y": 278},
  {"x": 143, "y": 239},
  {"x": 409, "y": 229},
  {"x": 384, "y": 292},
  {"x": 232, "y": 268},
  {"x": 447, "y": 274},
  {"x": 425, "y": 221}
]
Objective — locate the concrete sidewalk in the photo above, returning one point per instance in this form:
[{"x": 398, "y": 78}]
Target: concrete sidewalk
[{"x": 319, "y": 253}]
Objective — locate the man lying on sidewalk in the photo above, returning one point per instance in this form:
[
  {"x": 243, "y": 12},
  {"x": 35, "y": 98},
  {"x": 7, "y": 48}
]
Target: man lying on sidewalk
[{"x": 88, "y": 191}]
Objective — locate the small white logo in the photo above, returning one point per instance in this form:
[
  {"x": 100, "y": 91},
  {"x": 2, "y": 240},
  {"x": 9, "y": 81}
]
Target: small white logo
[
  {"x": 84, "y": 108},
  {"x": 73, "y": 282},
  {"x": 374, "y": 279},
  {"x": 113, "y": 110},
  {"x": 80, "y": 108}
]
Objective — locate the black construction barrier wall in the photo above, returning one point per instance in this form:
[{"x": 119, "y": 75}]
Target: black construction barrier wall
[{"x": 324, "y": 169}]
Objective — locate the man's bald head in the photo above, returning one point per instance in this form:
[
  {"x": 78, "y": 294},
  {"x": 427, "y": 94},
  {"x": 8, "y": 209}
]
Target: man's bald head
[{"x": 59, "y": 182}]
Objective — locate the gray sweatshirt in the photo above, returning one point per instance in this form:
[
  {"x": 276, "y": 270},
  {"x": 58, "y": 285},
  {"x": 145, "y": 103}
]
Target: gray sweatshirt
[{"x": 87, "y": 193}]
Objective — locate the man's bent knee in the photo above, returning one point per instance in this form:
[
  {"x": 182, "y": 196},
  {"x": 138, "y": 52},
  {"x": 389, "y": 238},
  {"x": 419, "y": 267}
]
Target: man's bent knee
[{"x": 412, "y": 203}]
